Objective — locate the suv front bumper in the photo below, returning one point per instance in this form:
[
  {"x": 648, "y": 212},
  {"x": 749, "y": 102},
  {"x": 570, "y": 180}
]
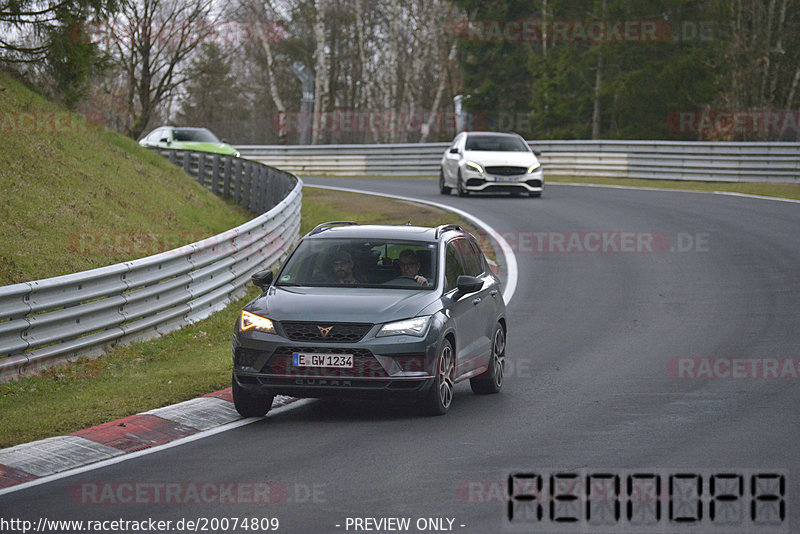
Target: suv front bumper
[{"x": 392, "y": 365}]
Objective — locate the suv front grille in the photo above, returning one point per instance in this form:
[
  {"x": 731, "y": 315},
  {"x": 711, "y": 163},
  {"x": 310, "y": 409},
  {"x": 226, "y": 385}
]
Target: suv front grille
[
  {"x": 506, "y": 171},
  {"x": 327, "y": 332},
  {"x": 364, "y": 363}
]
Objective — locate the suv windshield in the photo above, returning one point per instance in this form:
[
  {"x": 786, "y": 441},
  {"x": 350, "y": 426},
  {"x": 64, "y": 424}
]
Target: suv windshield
[
  {"x": 361, "y": 263},
  {"x": 496, "y": 143},
  {"x": 200, "y": 136}
]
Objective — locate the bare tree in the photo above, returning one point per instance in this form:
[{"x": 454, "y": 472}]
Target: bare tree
[
  {"x": 383, "y": 69},
  {"x": 366, "y": 90},
  {"x": 150, "y": 40},
  {"x": 598, "y": 81},
  {"x": 437, "y": 100},
  {"x": 265, "y": 16},
  {"x": 761, "y": 58},
  {"x": 321, "y": 80}
]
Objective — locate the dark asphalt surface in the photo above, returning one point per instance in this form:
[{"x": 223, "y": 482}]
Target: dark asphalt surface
[{"x": 588, "y": 388}]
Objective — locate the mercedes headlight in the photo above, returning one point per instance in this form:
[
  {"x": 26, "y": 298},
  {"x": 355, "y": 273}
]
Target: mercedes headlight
[
  {"x": 533, "y": 168},
  {"x": 474, "y": 167}
]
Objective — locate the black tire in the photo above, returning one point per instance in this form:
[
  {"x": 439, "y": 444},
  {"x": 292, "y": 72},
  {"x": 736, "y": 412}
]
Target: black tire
[
  {"x": 443, "y": 189},
  {"x": 461, "y": 191},
  {"x": 492, "y": 380},
  {"x": 249, "y": 405},
  {"x": 439, "y": 397}
]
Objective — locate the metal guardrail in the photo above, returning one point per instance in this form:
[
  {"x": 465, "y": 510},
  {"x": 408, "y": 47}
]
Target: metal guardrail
[
  {"x": 667, "y": 160},
  {"x": 56, "y": 319},
  {"x": 255, "y": 186}
]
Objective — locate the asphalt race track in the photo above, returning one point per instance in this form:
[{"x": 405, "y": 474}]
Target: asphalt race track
[{"x": 650, "y": 332}]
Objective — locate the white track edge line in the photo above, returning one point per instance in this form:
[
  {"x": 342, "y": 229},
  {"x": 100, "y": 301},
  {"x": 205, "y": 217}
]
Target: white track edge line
[
  {"x": 761, "y": 197},
  {"x": 124, "y": 457}
]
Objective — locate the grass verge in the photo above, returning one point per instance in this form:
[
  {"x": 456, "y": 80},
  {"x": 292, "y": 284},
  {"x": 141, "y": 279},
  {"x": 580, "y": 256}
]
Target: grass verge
[
  {"x": 76, "y": 196},
  {"x": 178, "y": 366}
]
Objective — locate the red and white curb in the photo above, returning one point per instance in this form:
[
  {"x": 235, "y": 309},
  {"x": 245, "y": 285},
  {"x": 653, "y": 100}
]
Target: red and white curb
[{"x": 30, "y": 461}]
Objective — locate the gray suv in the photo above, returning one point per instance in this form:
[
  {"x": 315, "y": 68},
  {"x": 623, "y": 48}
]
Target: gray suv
[{"x": 372, "y": 311}]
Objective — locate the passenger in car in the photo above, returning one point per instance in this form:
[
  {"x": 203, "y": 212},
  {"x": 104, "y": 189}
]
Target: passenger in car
[{"x": 342, "y": 267}]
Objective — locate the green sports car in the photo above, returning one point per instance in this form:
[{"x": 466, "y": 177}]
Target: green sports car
[{"x": 181, "y": 138}]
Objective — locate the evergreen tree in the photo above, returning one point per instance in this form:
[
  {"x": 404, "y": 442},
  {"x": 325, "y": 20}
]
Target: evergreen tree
[
  {"x": 576, "y": 81},
  {"x": 52, "y": 33},
  {"x": 213, "y": 96}
]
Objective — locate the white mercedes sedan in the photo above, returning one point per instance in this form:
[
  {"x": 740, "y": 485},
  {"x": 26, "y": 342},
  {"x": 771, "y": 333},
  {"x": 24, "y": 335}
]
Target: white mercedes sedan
[{"x": 490, "y": 162}]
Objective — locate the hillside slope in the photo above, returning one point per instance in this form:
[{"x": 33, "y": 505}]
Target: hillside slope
[{"x": 74, "y": 196}]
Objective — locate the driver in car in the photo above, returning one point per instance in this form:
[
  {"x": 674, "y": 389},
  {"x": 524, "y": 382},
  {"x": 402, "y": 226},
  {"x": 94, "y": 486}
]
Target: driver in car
[{"x": 409, "y": 267}]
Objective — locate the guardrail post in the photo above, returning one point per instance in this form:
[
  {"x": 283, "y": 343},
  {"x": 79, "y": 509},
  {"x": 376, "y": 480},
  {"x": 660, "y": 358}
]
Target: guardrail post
[
  {"x": 282, "y": 188},
  {"x": 187, "y": 162},
  {"x": 249, "y": 187},
  {"x": 201, "y": 169},
  {"x": 271, "y": 185},
  {"x": 244, "y": 193},
  {"x": 263, "y": 185},
  {"x": 226, "y": 184},
  {"x": 237, "y": 174},
  {"x": 255, "y": 189},
  {"x": 14, "y": 309},
  {"x": 215, "y": 175}
]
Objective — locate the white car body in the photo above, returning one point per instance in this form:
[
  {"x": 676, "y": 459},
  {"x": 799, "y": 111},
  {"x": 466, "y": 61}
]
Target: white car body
[{"x": 512, "y": 171}]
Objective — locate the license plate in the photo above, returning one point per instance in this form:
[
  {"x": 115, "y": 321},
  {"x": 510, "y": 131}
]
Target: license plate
[
  {"x": 505, "y": 178},
  {"x": 304, "y": 359}
]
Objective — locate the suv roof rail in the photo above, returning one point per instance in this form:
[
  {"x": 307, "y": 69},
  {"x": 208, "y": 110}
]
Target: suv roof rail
[
  {"x": 324, "y": 226},
  {"x": 446, "y": 228}
]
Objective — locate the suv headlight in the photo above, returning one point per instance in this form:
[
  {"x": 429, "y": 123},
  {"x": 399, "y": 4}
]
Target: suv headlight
[
  {"x": 533, "y": 168},
  {"x": 409, "y": 327},
  {"x": 474, "y": 167},
  {"x": 251, "y": 320}
]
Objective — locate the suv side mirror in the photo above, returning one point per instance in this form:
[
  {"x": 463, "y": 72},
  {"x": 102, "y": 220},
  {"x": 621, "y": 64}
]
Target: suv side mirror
[
  {"x": 164, "y": 140},
  {"x": 467, "y": 284},
  {"x": 262, "y": 279},
  {"x": 454, "y": 150}
]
